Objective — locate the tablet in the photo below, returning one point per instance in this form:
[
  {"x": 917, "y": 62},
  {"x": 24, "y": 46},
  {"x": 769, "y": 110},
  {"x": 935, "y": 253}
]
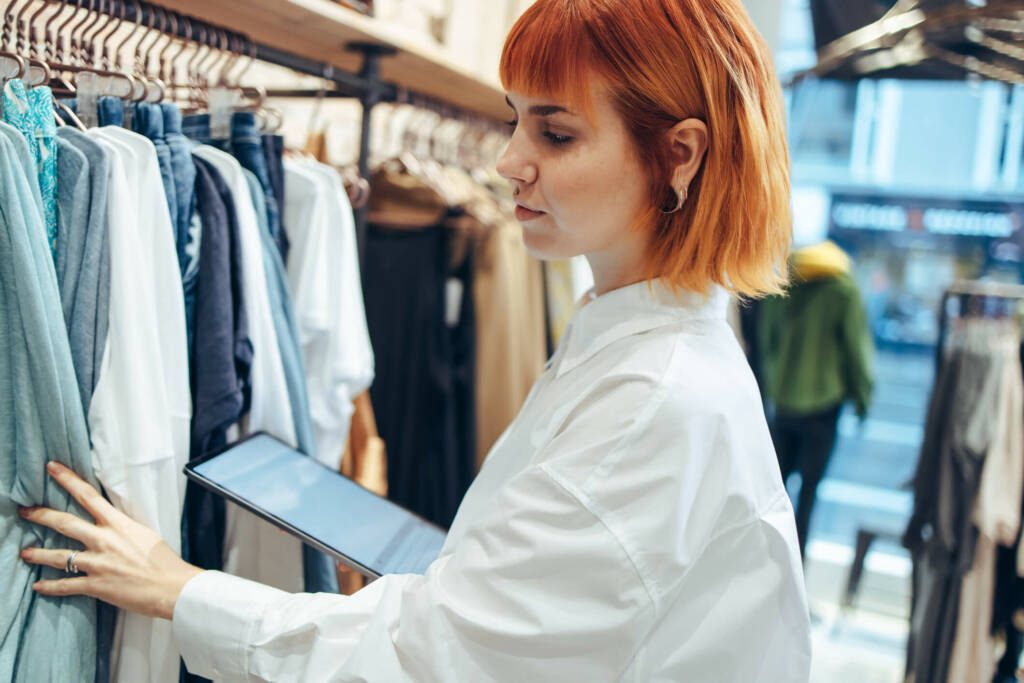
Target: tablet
[{"x": 322, "y": 507}]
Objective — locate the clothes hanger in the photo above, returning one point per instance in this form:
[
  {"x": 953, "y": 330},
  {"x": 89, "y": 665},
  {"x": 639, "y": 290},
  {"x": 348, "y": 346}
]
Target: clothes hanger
[{"x": 38, "y": 70}]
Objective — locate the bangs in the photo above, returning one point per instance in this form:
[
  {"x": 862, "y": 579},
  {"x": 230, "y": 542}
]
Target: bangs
[{"x": 548, "y": 53}]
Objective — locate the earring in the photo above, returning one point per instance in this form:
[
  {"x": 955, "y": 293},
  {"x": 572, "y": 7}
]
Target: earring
[{"x": 681, "y": 195}]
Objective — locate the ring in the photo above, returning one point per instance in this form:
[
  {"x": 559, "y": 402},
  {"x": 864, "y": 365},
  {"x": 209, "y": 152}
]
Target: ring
[{"x": 70, "y": 567}]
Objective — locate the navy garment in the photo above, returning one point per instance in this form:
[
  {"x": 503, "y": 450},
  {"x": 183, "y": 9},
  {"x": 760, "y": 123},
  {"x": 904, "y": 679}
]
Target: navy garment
[
  {"x": 183, "y": 171},
  {"x": 220, "y": 359},
  {"x": 247, "y": 147},
  {"x": 423, "y": 394},
  {"x": 273, "y": 152},
  {"x": 148, "y": 120}
]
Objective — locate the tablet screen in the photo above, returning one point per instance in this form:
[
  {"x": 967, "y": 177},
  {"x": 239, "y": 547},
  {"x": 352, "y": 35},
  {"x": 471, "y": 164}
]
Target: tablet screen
[{"x": 321, "y": 506}]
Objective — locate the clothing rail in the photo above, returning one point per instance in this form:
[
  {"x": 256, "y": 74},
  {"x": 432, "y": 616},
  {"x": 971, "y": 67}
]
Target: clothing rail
[
  {"x": 967, "y": 290},
  {"x": 366, "y": 85}
]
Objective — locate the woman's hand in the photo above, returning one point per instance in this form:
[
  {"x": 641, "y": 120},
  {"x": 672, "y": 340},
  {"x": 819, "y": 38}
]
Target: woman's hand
[{"x": 124, "y": 563}]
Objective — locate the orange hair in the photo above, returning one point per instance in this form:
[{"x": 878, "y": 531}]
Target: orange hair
[{"x": 664, "y": 61}]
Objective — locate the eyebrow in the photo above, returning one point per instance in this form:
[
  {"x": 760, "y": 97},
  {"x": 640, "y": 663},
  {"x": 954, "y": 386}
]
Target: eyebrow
[{"x": 542, "y": 109}]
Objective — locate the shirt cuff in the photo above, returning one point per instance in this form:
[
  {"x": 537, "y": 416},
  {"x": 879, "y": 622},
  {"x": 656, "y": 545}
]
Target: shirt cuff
[{"x": 213, "y": 619}]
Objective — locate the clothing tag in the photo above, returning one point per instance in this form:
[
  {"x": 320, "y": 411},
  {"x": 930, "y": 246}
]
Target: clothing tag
[
  {"x": 222, "y": 104},
  {"x": 453, "y": 302}
]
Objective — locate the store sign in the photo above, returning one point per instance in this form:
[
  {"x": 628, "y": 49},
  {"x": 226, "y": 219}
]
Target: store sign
[{"x": 998, "y": 220}]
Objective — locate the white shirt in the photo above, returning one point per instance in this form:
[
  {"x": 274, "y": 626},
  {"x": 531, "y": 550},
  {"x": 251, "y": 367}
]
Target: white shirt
[
  {"x": 139, "y": 415},
  {"x": 630, "y": 525},
  {"x": 327, "y": 292},
  {"x": 253, "y": 548}
]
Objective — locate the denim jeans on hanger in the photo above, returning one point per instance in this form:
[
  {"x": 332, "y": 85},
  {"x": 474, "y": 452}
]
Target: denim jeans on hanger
[
  {"x": 110, "y": 111},
  {"x": 183, "y": 170},
  {"x": 247, "y": 147},
  {"x": 148, "y": 120},
  {"x": 197, "y": 127},
  {"x": 273, "y": 153}
]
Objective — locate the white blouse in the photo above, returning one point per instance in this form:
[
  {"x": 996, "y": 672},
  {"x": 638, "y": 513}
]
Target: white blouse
[{"x": 630, "y": 525}]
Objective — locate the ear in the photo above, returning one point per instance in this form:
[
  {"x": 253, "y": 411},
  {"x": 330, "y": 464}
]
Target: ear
[{"x": 689, "y": 143}]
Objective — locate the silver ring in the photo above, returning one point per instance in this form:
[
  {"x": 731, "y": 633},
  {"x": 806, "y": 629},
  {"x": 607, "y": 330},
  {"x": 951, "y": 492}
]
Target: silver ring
[{"x": 70, "y": 567}]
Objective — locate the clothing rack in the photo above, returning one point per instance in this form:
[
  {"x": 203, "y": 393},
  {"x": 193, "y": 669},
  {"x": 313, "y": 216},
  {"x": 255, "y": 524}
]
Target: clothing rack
[
  {"x": 366, "y": 83},
  {"x": 966, "y": 292}
]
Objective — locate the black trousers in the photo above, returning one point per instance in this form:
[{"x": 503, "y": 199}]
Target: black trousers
[{"x": 804, "y": 444}]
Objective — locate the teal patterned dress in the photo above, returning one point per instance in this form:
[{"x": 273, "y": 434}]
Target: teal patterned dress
[{"x": 31, "y": 112}]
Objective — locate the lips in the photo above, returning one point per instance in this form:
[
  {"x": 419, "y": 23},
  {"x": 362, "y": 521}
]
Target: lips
[{"x": 524, "y": 214}]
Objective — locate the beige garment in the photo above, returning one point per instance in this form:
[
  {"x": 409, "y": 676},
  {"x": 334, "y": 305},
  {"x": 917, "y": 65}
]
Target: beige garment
[
  {"x": 561, "y": 297},
  {"x": 365, "y": 461},
  {"x": 997, "y": 516},
  {"x": 511, "y": 344}
]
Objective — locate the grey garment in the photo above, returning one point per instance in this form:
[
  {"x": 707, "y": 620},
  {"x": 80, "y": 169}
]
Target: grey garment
[
  {"x": 43, "y": 639},
  {"x": 83, "y": 253},
  {"x": 941, "y": 535},
  {"x": 319, "y": 571}
]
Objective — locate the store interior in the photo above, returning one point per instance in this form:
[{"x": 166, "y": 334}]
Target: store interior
[{"x": 906, "y": 133}]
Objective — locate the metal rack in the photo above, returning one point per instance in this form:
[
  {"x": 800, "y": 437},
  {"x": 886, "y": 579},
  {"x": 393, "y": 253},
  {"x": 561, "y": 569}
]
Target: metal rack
[{"x": 365, "y": 83}]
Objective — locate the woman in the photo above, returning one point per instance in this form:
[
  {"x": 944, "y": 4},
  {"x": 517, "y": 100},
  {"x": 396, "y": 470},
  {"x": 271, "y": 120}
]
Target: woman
[{"x": 631, "y": 523}]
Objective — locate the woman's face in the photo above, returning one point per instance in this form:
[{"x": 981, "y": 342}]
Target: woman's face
[{"x": 580, "y": 186}]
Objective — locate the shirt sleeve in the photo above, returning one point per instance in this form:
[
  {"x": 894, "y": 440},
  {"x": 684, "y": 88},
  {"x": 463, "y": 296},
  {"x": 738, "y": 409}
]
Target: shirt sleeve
[{"x": 537, "y": 590}]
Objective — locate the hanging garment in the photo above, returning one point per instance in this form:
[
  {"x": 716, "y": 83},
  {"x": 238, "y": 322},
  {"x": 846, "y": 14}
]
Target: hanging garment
[
  {"x": 941, "y": 535},
  {"x": 597, "y": 543},
  {"x": 324, "y": 278},
  {"x": 141, "y": 408},
  {"x": 247, "y": 147},
  {"x": 319, "y": 572},
  {"x": 83, "y": 254},
  {"x": 996, "y": 516},
  {"x": 44, "y": 422},
  {"x": 30, "y": 111},
  {"x": 423, "y": 393},
  {"x": 253, "y": 548},
  {"x": 148, "y": 120},
  {"x": 221, "y": 358},
  {"x": 511, "y": 347},
  {"x": 183, "y": 172},
  {"x": 83, "y": 275},
  {"x": 273, "y": 152}
]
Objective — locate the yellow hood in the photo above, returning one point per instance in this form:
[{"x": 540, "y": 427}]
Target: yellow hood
[{"x": 819, "y": 261}]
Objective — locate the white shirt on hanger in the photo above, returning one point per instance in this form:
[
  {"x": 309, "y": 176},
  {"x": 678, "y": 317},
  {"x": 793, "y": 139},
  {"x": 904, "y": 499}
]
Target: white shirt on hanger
[
  {"x": 631, "y": 524},
  {"x": 253, "y": 548},
  {"x": 138, "y": 419},
  {"x": 326, "y": 287}
]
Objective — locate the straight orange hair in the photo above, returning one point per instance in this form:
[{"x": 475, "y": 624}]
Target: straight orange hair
[{"x": 665, "y": 61}]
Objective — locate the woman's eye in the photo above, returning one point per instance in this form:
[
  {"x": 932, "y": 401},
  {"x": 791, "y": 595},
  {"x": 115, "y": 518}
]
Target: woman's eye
[
  {"x": 557, "y": 139},
  {"x": 512, "y": 124}
]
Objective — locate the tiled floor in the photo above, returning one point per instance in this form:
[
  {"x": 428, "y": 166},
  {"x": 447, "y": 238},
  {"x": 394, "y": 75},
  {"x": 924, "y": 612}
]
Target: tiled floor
[
  {"x": 867, "y": 643},
  {"x": 861, "y": 647}
]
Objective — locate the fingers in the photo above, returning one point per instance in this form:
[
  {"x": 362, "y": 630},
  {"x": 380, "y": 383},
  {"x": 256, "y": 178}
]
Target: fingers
[
  {"x": 63, "y": 523},
  {"x": 78, "y": 585},
  {"x": 82, "y": 491},
  {"x": 56, "y": 558}
]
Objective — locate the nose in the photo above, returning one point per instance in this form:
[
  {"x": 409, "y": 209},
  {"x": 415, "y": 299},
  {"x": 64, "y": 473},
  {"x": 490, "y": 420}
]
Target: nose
[{"x": 515, "y": 164}]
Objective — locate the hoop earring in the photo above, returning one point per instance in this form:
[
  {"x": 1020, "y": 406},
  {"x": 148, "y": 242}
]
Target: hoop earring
[{"x": 682, "y": 193}]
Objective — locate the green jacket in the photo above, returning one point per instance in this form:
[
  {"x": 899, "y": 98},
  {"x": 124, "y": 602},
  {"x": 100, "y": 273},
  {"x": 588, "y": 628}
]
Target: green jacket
[{"x": 816, "y": 347}]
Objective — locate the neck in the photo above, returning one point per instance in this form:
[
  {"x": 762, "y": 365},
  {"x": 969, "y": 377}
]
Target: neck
[{"x": 614, "y": 273}]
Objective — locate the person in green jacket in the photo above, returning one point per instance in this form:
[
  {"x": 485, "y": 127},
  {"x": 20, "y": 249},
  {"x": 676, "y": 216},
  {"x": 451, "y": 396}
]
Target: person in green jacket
[{"x": 816, "y": 354}]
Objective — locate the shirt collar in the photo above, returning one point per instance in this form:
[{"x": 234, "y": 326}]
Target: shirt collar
[{"x": 634, "y": 309}]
